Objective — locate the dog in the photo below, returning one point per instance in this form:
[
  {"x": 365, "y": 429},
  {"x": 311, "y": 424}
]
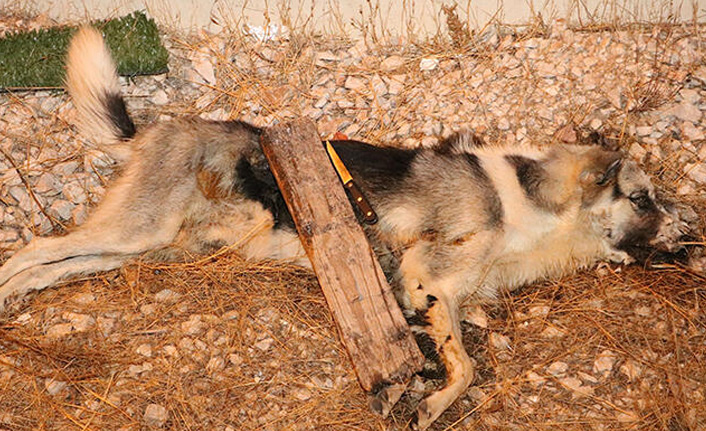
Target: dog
[{"x": 460, "y": 222}]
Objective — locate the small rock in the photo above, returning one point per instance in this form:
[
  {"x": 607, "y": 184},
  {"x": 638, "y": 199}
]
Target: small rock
[
  {"x": 643, "y": 130},
  {"x": 428, "y": 63},
  {"x": 392, "y": 63},
  {"x": 235, "y": 359},
  {"x": 302, "y": 394},
  {"x": 575, "y": 386},
  {"x": 79, "y": 214},
  {"x": 155, "y": 415},
  {"x": 61, "y": 209},
  {"x": 355, "y": 83},
  {"x": 552, "y": 332},
  {"x": 203, "y": 67},
  {"x": 74, "y": 192},
  {"x": 631, "y": 369},
  {"x": 534, "y": 378},
  {"x": 476, "y": 316},
  {"x": 395, "y": 83},
  {"x": 79, "y": 322},
  {"x": 539, "y": 311},
  {"x": 85, "y": 298},
  {"x": 264, "y": 344},
  {"x": 587, "y": 377},
  {"x": 685, "y": 111},
  {"x": 48, "y": 184},
  {"x": 696, "y": 171},
  {"x": 166, "y": 295},
  {"x": 194, "y": 325},
  {"x": 214, "y": 364},
  {"x": 603, "y": 364},
  {"x": 160, "y": 97},
  {"x": 595, "y": 124},
  {"x": 53, "y": 387},
  {"x": 557, "y": 368},
  {"x": 499, "y": 341},
  {"x": 144, "y": 350},
  {"x": 692, "y": 132},
  {"x": 59, "y": 330}
]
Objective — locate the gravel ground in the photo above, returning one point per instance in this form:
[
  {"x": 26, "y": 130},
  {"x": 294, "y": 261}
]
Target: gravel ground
[{"x": 142, "y": 348}]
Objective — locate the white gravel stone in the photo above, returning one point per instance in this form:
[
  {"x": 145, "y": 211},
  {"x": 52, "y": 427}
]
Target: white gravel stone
[
  {"x": 557, "y": 368},
  {"x": 685, "y": 111},
  {"x": 428, "y": 63},
  {"x": 194, "y": 325},
  {"x": 144, "y": 350},
  {"x": 75, "y": 192},
  {"x": 48, "y": 184},
  {"x": 264, "y": 344},
  {"x": 534, "y": 378},
  {"x": 155, "y": 415},
  {"x": 576, "y": 386},
  {"x": 61, "y": 209},
  {"x": 53, "y": 387},
  {"x": 203, "y": 67},
  {"x": 692, "y": 132},
  {"x": 59, "y": 330},
  {"x": 160, "y": 97},
  {"x": 499, "y": 341},
  {"x": 79, "y": 322},
  {"x": 392, "y": 63},
  {"x": 476, "y": 316},
  {"x": 166, "y": 295},
  {"x": 643, "y": 130},
  {"x": 215, "y": 364},
  {"x": 355, "y": 83},
  {"x": 696, "y": 171},
  {"x": 603, "y": 365},
  {"x": 631, "y": 369}
]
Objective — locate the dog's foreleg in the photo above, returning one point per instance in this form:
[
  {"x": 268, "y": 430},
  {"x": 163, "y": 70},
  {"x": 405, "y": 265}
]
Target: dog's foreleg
[
  {"x": 433, "y": 299},
  {"x": 41, "y": 276},
  {"x": 445, "y": 331}
]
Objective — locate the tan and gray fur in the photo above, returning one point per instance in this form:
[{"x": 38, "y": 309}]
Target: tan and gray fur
[{"x": 456, "y": 223}]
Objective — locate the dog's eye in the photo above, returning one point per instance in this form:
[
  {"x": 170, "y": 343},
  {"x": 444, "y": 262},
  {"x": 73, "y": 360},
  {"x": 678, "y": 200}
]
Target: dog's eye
[{"x": 640, "y": 199}]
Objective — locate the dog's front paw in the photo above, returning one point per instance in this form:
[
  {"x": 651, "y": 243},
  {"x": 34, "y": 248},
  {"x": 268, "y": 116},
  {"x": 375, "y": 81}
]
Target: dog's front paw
[
  {"x": 383, "y": 401},
  {"x": 423, "y": 417}
]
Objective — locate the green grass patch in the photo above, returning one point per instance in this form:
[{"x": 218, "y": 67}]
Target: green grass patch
[{"x": 36, "y": 58}]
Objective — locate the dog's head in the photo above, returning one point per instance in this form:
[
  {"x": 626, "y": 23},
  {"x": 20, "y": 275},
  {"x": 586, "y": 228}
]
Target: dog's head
[{"x": 634, "y": 222}]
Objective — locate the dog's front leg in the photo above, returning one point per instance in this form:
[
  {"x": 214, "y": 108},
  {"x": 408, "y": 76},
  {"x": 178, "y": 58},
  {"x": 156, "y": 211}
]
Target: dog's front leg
[{"x": 434, "y": 299}]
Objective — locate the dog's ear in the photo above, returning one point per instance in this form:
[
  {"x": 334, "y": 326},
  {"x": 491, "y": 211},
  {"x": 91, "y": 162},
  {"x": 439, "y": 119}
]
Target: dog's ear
[{"x": 602, "y": 168}]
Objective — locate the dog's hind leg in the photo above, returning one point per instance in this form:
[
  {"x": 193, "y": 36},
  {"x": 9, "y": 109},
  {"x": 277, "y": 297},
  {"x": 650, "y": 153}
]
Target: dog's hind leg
[
  {"x": 122, "y": 225},
  {"x": 39, "y": 277}
]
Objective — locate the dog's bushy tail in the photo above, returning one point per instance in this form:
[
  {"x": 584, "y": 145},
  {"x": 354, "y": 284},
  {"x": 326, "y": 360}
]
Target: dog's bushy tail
[{"x": 92, "y": 82}]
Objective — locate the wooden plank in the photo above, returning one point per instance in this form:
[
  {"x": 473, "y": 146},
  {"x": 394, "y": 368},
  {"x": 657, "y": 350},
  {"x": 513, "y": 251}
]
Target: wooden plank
[{"x": 370, "y": 323}]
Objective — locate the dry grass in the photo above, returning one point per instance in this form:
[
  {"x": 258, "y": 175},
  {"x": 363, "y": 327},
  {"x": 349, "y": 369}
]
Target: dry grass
[{"x": 652, "y": 321}]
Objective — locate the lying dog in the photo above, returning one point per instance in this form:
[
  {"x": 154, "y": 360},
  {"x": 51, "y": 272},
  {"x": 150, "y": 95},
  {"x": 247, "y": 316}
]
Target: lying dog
[{"x": 456, "y": 223}]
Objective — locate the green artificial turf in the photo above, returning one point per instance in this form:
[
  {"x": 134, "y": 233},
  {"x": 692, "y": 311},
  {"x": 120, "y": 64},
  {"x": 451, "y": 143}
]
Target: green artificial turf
[{"x": 36, "y": 58}]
